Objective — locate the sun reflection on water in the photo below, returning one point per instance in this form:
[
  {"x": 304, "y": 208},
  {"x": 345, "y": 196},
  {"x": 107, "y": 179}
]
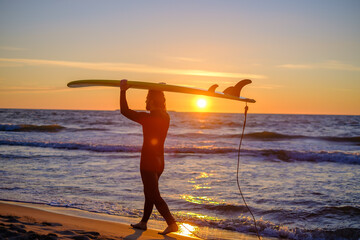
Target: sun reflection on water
[
  {"x": 186, "y": 229},
  {"x": 200, "y": 199},
  {"x": 196, "y": 215},
  {"x": 202, "y": 175},
  {"x": 201, "y": 186}
]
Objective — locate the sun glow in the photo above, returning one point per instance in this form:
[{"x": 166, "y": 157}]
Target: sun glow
[
  {"x": 186, "y": 229},
  {"x": 201, "y": 103}
]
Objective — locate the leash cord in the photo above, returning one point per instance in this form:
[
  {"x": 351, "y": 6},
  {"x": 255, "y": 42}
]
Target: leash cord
[
  {"x": 237, "y": 173},
  {"x": 237, "y": 181}
]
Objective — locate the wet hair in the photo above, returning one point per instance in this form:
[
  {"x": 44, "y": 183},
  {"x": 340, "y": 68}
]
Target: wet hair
[{"x": 158, "y": 99}]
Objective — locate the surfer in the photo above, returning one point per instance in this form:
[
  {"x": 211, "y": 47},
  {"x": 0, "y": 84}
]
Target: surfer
[{"x": 155, "y": 126}]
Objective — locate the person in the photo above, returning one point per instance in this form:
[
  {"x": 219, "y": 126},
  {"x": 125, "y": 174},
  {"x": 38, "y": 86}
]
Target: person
[{"x": 155, "y": 125}]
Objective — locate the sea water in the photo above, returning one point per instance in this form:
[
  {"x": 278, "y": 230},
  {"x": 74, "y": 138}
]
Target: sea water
[{"x": 299, "y": 174}]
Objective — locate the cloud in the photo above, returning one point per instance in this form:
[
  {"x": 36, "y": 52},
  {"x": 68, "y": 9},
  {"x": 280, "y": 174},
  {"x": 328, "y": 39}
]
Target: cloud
[
  {"x": 126, "y": 67},
  {"x": 31, "y": 89},
  {"x": 185, "y": 59},
  {"x": 10, "y": 64},
  {"x": 331, "y": 65},
  {"x": 7, "y": 48},
  {"x": 267, "y": 86}
]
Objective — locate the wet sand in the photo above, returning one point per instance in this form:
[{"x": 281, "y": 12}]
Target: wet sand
[{"x": 19, "y": 222}]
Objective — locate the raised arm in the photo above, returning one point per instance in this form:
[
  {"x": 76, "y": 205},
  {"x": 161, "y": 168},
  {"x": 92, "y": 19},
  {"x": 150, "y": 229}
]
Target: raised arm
[{"x": 124, "y": 108}]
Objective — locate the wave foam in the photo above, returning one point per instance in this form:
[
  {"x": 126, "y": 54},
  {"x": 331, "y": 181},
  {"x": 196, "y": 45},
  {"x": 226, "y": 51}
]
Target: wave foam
[
  {"x": 30, "y": 128},
  {"x": 245, "y": 224},
  {"x": 281, "y": 155},
  {"x": 279, "y": 136}
]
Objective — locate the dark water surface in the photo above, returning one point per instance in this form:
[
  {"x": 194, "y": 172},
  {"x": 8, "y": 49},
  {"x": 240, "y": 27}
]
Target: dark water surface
[{"x": 300, "y": 174}]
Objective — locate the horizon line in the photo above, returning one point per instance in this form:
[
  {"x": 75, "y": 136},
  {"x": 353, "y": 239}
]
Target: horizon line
[{"x": 62, "y": 109}]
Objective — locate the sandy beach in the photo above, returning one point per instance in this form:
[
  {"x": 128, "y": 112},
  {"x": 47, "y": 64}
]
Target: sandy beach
[
  {"x": 35, "y": 221},
  {"x": 29, "y": 223}
]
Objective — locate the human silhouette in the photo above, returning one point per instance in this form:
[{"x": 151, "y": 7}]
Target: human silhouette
[{"x": 155, "y": 125}]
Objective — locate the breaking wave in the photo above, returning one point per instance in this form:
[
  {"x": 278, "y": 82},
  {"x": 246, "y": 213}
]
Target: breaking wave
[
  {"x": 43, "y": 128},
  {"x": 262, "y": 136},
  {"x": 74, "y": 146},
  {"x": 271, "y": 154},
  {"x": 268, "y": 136},
  {"x": 30, "y": 128},
  {"x": 278, "y": 136}
]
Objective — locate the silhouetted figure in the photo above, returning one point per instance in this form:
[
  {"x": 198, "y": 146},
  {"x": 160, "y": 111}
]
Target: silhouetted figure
[{"x": 155, "y": 126}]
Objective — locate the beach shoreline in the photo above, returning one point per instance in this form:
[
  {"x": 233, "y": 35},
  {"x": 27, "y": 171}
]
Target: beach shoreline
[{"x": 26, "y": 220}]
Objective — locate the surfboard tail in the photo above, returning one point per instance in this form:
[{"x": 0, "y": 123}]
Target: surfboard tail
[
  {"x": 212, "y": 88},
  {"x": 236, "y": 90}
]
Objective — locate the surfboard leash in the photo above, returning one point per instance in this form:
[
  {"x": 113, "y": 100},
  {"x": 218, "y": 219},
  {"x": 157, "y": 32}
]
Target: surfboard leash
[
  {"x": 237, "y": 172},
  {"x": 237, "y": 181}
]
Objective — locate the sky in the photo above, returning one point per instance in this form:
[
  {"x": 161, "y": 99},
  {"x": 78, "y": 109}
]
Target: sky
[{"x": 303, "y": 57}]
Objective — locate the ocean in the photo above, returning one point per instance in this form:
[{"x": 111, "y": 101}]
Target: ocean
[{"x": 299, "y": 174}]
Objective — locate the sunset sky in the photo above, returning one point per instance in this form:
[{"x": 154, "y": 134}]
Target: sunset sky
[{"x": 302, "y": 56}]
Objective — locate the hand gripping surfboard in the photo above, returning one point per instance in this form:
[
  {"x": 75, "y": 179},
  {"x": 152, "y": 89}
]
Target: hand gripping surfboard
[{"x": 232, "y": 93}]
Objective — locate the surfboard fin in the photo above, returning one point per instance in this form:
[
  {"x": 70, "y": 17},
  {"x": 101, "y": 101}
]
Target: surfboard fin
[
  {"x": 212, "y": 88},
  {"x": 235, "y": 90}
]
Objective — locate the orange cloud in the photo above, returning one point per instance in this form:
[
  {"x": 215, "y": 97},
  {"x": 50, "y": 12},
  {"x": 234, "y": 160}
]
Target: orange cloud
[
  {"x": 32, "y": 89},
  {"x": 126, "y": 67},
  {"x": 331, "y": 65}
]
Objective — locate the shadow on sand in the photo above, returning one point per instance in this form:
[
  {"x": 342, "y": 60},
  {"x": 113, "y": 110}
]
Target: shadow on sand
[{"x": 137, "y": 234}]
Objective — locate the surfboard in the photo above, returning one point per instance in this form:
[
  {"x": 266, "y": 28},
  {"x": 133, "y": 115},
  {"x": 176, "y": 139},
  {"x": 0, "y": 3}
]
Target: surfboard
[{"x": 232, "y": 92}]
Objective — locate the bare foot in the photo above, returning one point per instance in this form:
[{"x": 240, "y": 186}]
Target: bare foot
[
  {"x": 171, "y": 228},
  {"x": 140, "y": 225}
]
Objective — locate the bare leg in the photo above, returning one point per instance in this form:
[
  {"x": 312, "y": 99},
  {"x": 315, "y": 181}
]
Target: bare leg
[
  {"x": 153, "y": 197},
  {"x": 148, "y": 208},
  {"x": 173, "y": 227},
  {"x": 141, "y": 225}
]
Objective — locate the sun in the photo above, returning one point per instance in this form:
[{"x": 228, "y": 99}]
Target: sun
[{"x": 201, "y": 103}]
